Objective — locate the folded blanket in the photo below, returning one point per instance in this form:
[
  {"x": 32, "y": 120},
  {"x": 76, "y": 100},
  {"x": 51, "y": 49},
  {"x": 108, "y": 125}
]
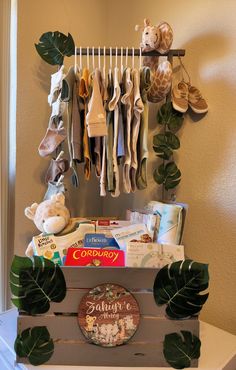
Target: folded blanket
[{"x": 170, "y": 230}]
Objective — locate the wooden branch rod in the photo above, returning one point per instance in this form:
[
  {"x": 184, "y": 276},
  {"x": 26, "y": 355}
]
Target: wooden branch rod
[{"x": 113, "y": 51}]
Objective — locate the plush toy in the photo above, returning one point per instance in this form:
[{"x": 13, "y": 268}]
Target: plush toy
[
  {"x": 159, "y": 38},
  {"x": 50, "y": 217}
]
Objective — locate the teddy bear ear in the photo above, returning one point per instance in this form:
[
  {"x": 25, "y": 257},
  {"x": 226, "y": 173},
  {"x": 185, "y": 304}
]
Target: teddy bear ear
[
  {"x": 138, "y": 27},
  {"x": 30, "y": 211},
  {"x": 146, "y": 22},
  {"x": 60, "y": 197}
]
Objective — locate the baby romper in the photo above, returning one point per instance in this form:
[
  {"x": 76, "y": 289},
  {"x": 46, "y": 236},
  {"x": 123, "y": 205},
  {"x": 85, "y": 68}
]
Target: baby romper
[
  {"x": 113, "y": 106},
  {"x": 142, "y": 151},
  {"x": 127, "y": 101},
  {"x": 84, "y": 94},
  {"x": 135, "y": 125}
]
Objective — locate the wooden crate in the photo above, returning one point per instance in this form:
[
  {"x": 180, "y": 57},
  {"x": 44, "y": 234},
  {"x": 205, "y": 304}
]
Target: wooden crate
[{"x": 71, "y": 347}]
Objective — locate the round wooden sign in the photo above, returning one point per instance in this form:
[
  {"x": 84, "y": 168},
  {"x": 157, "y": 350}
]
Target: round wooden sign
[{"x": 108, "y": 315}]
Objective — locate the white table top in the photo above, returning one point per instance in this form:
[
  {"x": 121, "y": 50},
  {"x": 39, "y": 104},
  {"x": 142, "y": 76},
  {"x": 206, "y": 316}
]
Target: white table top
[{"x": 218, "y": 350}]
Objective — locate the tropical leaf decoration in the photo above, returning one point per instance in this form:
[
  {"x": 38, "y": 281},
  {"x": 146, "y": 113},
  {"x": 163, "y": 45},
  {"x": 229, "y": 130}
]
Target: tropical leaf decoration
[
  {"x": 34, "y": 283},
  {"x": 167, "y": 174},
  {"x": 54, "y": 46},
  {"x": 165, "y": 144},
  {"x": 170, "y": 117},
  {"x": 180, "y": 348},
  {"x": 35, "y": 344},
  {"x": 178, "y": 286}
]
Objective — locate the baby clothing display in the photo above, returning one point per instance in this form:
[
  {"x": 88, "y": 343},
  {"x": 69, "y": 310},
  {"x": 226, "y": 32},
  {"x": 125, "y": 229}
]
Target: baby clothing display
[{"x": 103, "y": 119}]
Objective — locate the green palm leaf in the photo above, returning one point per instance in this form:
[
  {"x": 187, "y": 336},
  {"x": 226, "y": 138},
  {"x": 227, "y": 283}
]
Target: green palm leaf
[
  {"x": 178, "y": 286},
  {"x": 35, "y": 344},
  {"x": 54, "y": 46},
  {"x": 180, "y": 349},
  {"x": 35, "y": 283},
  {"x": 169, "y": 175}
]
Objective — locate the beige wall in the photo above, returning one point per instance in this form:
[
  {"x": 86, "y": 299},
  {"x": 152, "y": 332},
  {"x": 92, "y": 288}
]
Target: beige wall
[{"x": 207, "y": 158}]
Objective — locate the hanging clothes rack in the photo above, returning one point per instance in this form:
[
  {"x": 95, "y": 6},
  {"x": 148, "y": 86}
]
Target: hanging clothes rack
[{"x": 122, "y": 51}]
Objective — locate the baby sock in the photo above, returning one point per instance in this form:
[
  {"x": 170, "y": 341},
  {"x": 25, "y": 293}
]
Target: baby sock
[
  {"x": 56, "y": 169},
  {"x": 53, "y": 137}
]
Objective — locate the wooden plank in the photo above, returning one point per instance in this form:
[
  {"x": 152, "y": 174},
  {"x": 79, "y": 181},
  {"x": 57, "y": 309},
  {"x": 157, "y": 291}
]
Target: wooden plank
[
  {"x": 151, "y": 329},
  {"x": 145, "y": 301},
  {"x": 129, "y": 277},
  {"x": 135, "y": 355}
]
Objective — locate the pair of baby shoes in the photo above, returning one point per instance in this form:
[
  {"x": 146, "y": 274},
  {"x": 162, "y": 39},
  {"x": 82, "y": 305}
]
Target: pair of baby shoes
[{"x": 185, "y": 95}]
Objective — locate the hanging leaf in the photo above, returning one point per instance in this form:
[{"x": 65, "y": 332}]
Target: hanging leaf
[
  {"x": 35, "y": 344},
  {"x": 35, "y": 283},
  {"x": 164, "y": 144},
  {"x": 180, "y": 349},
  {"x": 178, "y": 286},
  {"x": 54, "y": 46},
  {"x": 167, "y": 115},
  {"x": 169, "y": 175}
]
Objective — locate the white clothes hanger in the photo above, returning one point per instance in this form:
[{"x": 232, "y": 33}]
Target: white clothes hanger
[
  {"x": 116, "y": 55},
  {"x": 75, "y": 61},
  {"x": 140, "y": 58},
  {"x": 110, "y": 69},
  {"x": 93, "y": 58},
  {"x": 88, "y": 57},
  {"x": 80, "y": 58},
  {"x": 121, "y": 60},
  {"x": 133, "y": 57},
  {"x": 104, "y": 62},
  {"x": 126, "y": 57},
  {"x": 99, "y": 58}
]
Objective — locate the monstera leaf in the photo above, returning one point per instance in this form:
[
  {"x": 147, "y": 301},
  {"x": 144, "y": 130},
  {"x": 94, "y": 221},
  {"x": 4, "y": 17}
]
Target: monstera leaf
[
  {"x": 54, "y": 46},
  {"x": 164, "y": 144},
  {"x": 167, "y": 115},
  {"x": 169, "y": 175},
  {"x": 180, "y": 349},
  {"x": 35, "y": 344},
  {"x": 178, "y": 286},
  {"x": 34, "y": 283}
]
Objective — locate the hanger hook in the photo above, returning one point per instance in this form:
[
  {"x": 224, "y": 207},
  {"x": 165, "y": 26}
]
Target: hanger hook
[{"x": 88, "y": 57}]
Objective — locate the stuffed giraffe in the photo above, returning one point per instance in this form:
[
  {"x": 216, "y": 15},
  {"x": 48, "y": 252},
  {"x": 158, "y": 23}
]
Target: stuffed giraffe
[{"x": 159, "y": 38}]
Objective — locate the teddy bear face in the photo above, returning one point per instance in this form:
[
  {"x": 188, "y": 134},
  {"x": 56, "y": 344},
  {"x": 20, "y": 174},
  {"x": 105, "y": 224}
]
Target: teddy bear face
[{"x": 51, "y": 216}]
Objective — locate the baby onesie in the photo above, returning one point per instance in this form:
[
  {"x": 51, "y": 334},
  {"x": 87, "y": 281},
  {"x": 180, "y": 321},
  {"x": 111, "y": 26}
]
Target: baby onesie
[
  {"x": 96, "y": 116},
  {"x": 110, "y": 136},
  {"x": 135, "y": 125},
  {"x": 84, "y": 94},
  {"x": 141, "y": 178},
  {"x": 103, "y": 177},
  {"x": 113, "y": 106},
  {"x": 76, "y": 125},
  {"x": 128, "y": 102}
]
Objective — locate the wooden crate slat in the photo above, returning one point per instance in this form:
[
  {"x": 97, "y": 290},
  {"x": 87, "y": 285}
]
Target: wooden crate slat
[
  {"x": 151, "y": 329},
  {"x": 145, "y": 300},
  {"x": 128, "y": 277},
  {"x": 135, "y": 355}
]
